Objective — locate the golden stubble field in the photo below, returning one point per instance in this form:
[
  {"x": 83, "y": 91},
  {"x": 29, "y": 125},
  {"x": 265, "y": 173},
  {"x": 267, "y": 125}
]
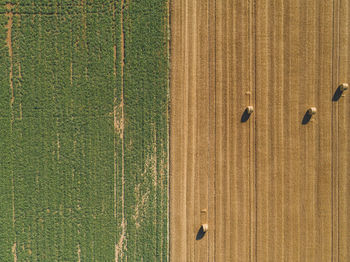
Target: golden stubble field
[{"x": 273, "y": 186}]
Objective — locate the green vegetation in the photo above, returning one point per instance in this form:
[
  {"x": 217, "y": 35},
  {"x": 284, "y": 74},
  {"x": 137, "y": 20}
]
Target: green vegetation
[{"x": 83, "y": 130}]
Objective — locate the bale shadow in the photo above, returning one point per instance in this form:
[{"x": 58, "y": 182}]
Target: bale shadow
[
  {"x": 306, "y": 118},
  {"x": 337, "y": 95},
  {"x": 245, "y": 116},
  {"x": 200, "y": 234}
]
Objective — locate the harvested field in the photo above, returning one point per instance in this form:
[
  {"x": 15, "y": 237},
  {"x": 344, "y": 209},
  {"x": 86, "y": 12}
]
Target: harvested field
[{"x": 272, "y": 185}]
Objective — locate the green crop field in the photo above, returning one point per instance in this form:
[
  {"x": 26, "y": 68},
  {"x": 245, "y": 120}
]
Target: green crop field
[{"x": 84, "y": 130}]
